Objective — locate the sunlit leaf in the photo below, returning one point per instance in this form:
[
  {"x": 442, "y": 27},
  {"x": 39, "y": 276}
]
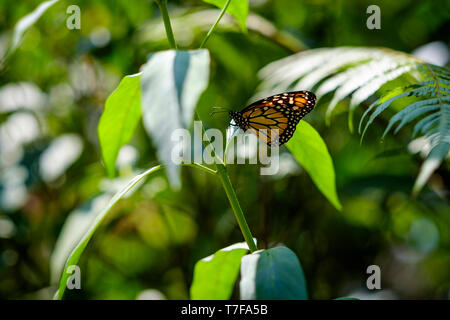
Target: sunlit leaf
[
  {"x": 273, "y": 274},
  {"x": 75, "y": 226},
  {"x": 433, "y": 161},
  {"x": 27, "y": 21},
  {"x": 311, "y": 152},
  {"x": 214, "y": 276},
  {"x": 237, "y": 8},
  {"x": 432, "y": 107},
  {"x": 171, "y": 84},
  {"x": 119, "y": 119},
  {"x": 76, "y": 253}
]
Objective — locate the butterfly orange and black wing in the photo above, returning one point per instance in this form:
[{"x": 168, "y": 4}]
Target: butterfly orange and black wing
[{"x": 275, "y": 118}]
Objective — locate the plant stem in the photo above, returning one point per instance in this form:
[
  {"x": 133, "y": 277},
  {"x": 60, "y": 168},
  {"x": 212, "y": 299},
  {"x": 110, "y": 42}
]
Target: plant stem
[
  {"x": 232, "y": 197},
  {"x": 226, "y": 183},
  {"x": 201, "y": 167},
  {"x": 165, "y": 15},
  {"x": 215, "y": 24}
]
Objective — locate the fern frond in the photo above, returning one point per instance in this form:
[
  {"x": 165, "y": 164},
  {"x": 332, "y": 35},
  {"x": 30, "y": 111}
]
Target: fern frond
[{"x": 365, "y": 73}]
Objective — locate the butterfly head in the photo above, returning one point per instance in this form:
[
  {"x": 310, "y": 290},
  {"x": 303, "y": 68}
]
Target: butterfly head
[{"x": 237, "y": 117}]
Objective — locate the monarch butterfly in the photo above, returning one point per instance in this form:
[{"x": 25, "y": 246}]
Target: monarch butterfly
[{"x": 275, "y": 118}]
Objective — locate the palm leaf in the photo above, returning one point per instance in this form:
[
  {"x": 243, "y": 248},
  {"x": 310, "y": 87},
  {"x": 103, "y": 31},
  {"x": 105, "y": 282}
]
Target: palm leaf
[{"x": 380, "y": 74}]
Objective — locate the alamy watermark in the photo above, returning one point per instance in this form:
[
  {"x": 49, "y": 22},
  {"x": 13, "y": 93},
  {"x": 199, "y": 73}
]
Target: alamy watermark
[
  {"x": 74, "y": 20},
  {"x": 374, "y": 20},
  {"x": 374, "y": 280},
  {"x": 241, "y": 147},
  {"x": 74, "y": 281}
]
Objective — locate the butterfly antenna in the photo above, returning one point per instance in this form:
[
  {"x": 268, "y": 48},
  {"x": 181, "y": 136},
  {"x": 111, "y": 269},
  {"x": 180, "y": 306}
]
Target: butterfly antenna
[{"x": 220, "y": 110}]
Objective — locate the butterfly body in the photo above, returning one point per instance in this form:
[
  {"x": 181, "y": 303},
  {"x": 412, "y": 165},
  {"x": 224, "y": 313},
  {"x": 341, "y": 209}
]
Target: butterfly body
[{"x": 275, "y": 118}]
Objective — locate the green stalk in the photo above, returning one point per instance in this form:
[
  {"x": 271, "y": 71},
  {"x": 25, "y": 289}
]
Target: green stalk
[
  {"x": 201, "y": 167},
  {"x": 215, "y": 24},
  {"x": 239, "y": 215},
  {"x": 222, "y": 173},
  {"x": 165, "y": 15}
]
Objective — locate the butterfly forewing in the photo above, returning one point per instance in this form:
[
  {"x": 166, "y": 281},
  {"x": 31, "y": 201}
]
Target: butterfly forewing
[{"x": 275, "y": 118}]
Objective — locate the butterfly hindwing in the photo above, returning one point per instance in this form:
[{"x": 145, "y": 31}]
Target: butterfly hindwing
[{"x": 275, "y": 118}]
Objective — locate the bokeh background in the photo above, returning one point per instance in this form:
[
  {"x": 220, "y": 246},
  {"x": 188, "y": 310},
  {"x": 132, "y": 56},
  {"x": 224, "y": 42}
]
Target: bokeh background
[{"x": 52, "y": 93}]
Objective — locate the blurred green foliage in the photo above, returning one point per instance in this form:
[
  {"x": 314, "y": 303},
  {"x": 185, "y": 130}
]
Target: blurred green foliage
[{"x": 52, "y": 93}]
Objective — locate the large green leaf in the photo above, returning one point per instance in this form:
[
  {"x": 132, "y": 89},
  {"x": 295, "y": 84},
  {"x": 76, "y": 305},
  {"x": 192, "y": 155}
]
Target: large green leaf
[
  {"x": 171, "y": 84},
  {"x": 311, "y": 152},
  {"x": 237, "y": 8},
  {"x": 119, "y": 120},
  {"x": 75, "y": 255},
  {"x": 214, "y": 276},
  {"x": 273, "y": 274}
]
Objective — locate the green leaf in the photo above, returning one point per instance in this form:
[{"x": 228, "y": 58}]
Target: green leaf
[
  {"x": 433, "y": 108},
  {"x": 75, "y": 226},
  {"x": 237, "y": 8},
  {"x": 380, "y": 107},
  {"x": 27, "y": 21},
  {"x": 433, "y": 161},
  {"x": 171, "y": 84},
  {"x": 274, "y": 274},
  {"x": 214, "y": 276},
  {"x": 411, "y": 112},
  {"x": 75, "y": 255},
  {"x": 311, "y": 152},
  {"x": 119, "y": 119}
]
